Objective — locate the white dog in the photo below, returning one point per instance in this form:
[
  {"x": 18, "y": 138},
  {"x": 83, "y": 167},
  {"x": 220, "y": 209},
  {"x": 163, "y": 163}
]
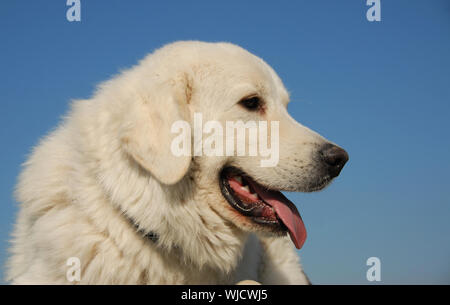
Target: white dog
[{"x": 106, "y": 189}]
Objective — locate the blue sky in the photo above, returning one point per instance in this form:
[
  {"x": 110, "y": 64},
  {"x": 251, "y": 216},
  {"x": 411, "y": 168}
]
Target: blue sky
[{"x": 381, "y": 90}]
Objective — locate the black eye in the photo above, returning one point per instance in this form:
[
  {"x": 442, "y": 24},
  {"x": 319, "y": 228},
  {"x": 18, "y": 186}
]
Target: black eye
[{"x": 251, "y": 103}]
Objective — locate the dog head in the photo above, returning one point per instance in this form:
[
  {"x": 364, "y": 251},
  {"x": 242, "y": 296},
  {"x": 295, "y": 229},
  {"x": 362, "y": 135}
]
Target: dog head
[{"x": 202, "y": 87}]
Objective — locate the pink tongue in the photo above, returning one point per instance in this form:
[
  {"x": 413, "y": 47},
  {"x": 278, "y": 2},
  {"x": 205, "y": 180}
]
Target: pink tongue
[{"x": 287, "y": 212}]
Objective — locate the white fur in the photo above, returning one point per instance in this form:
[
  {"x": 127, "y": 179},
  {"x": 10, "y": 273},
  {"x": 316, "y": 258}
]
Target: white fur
[{"x": 109, "y": 162}]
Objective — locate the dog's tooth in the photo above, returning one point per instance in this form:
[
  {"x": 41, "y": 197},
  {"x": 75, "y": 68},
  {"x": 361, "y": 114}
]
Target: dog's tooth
[
  {"x": 245, "y": 188},
  {"x": 238, "y": 179}
]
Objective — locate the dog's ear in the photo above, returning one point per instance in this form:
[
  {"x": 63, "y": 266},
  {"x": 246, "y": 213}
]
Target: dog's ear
[{"x": 147, "y": 135}]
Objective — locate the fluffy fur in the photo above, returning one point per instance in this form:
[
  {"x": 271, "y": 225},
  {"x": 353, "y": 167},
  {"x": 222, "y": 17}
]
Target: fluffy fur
[{"x": 109, "y": 162}]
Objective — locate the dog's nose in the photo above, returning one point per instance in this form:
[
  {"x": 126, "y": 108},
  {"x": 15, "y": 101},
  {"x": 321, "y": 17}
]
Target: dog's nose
[{"x": 334, "y": 158}]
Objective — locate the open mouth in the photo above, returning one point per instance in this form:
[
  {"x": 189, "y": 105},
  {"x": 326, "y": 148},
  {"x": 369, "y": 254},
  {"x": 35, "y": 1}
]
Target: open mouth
[{"x": 263, "y": 206}]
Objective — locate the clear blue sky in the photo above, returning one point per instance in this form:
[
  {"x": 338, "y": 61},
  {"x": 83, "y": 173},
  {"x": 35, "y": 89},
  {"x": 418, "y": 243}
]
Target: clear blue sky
[{"x": 381, "y": 90}]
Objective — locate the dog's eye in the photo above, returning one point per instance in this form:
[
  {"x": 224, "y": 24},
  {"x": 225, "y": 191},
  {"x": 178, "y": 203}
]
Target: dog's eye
[{"x": 251, "y": 103}]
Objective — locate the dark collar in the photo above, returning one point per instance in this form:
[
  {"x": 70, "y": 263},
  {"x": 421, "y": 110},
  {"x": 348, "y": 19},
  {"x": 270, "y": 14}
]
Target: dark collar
[{"x": 152, "y": 236}]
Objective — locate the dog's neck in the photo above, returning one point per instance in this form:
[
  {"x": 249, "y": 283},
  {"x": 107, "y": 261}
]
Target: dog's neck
[{"x": 171, "y": 219}]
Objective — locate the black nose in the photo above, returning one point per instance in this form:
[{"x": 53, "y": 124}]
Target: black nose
[{"x": 334, "y": 158}]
